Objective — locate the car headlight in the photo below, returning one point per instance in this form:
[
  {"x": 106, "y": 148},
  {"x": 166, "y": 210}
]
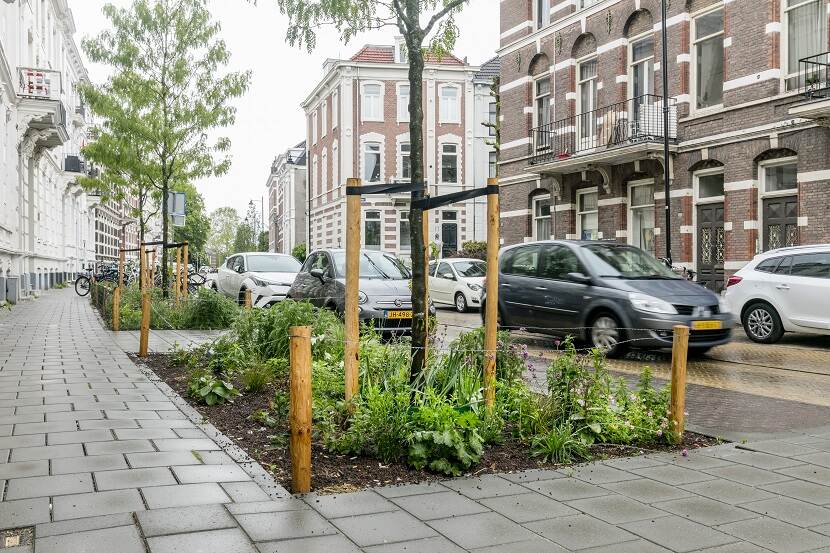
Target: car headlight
[
  {"x": 259, "y": 282},
  {"x": 723, "y": 305},
  {"x": 474, "y": 287},
  {"x": 362, "y": 297},
  {"x": 650, "y": 304}
]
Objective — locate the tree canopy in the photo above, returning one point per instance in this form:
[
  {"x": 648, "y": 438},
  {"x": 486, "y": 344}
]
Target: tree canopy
[{"x": 223, "y": 224}]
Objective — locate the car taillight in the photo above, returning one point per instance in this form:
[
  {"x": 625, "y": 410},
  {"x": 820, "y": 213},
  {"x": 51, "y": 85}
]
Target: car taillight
[{"x": 733, "y": 280}]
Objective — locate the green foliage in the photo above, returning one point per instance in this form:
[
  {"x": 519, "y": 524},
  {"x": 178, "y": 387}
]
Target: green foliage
[
  {"x": 210, "y": 389},
  {"x": 256, "y": 377},
  {"x": 262, "y": 242},
  {"x": 299, "y": 252},
  {"x": 196, "y": 227},
  {"x": 61, "y": 285},
  {"x": 223, "y": 223},
  {"x": 560, "y": 444},
  {"x": 204, "y": 310},
  {"x": 474, "y": 248}
]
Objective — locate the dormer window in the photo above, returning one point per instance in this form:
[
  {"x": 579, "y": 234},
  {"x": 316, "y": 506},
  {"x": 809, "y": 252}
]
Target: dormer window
[{"x": 401, "y": 53}]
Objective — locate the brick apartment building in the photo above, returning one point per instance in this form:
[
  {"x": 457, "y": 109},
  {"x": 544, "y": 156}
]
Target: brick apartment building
[
  {"x": 287, "y": 203},
  {"x": 358, "y": 126},
  {"x": 749, "y": 101}
]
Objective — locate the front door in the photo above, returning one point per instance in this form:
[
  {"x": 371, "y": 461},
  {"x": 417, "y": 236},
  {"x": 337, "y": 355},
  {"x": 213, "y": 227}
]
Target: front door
[
  {"x": 710, "y": 241},
  {"x": 449, "y": 233},
  {"x": 780, "y": 222}
]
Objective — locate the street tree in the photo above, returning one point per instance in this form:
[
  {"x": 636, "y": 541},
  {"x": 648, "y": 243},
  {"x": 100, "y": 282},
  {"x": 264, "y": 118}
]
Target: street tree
[
  {"x": 429, "y": 29},
  {"x": 223, "y": 224},
  {"x": 196, "y": 227},
  {"x": 166, "y": 93}
]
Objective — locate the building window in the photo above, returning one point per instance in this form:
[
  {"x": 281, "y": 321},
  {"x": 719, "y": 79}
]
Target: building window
[
  {"x": 404, "y": 163},
  {"x": 324, "y": 170},
  {"x": 806, "y": 28},
  {"x": 403, "y": 103},
  {"x": 587, "y": 101},
  {"x": 491, "y": 118},
  {"x": 708, "y": 48},
  {"x": 371, "y": 230},
  {"x": 493, "y": 165},
  {"x": 641, "y": 60},
  {"x": 335, "y": 109},
  {"x": 541, "y": 218},
  {"x": 449, "y": 105},
  {"x": 335, "y": 165},
  {"x": 542, "y": 101},
  {"x": 780, "y": 178},
  {"x": 371, "y": 162},
  {"x": 314, "y": 127},
  {"x": 449, "y": 163},
  {"x": 710, "y": 187},
  {"x": 325, "y": 118},
  {"x": 371, "y": 102},
  {"x": 641, "y": 216},
  {"x": 587, "y": 3},
  {"x": 587, "y": 218},
  {"x": 542, "y": 13},
  {"x": 404, "y": 238},
  {"x": 401, "y": 53}
]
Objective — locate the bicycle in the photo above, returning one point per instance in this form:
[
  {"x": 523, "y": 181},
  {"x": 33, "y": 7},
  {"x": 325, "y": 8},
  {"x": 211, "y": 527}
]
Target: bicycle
[{"x": 106, "y": 273}]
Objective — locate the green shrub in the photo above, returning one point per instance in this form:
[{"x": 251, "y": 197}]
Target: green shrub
[
  {"x": 207, "y": 388},
  {"x": 207, "y": 310},
  {"x": 559, "y": 445},
  {"x": 256, "y": 377},
  {"x": 299, "y": 252},
  {"x": 474, "y": 248}
]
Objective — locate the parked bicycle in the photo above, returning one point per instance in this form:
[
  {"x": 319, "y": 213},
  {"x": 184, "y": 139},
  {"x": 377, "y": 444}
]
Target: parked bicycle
[{"x": 102, "y": 273}]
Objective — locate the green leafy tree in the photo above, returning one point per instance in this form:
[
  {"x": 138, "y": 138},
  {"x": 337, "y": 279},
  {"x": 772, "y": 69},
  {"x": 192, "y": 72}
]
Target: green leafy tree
[
  {"x": 245, "y": 239},
  {"x": 196, "y": 227},
  {"x": 262, "y": 241},
  {"x": 223, "y": 224},
  {"x": 428, "y": 28},
  {"x": 167, "y": 91}
]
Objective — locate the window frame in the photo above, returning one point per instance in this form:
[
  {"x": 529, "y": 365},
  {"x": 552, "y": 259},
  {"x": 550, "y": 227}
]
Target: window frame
[
  {"x": 631, "y": 208},
  {"x": 363, "y": 100},
  {"x": 762, "y": 177},
  {"x": 366, "y": 220},
  {"x": 314, "y": 121},
  {"x": 400, "y": 161},
  {"x": 364, "y": 151},
  {"x": 696, "y": 186},
  {"x": 648, "y": 35},
  {"x": 324, "y": 118},
  {"x": 492, "y": 114},
  {"x": 492, "y": 164},
  {"x": 534, "y": 230},
  {"x": 508, "y": 260},
  {"x": 579, "y": 214},
  {"x": 403, "y": 217},
  {"x": 693, "y": 46},
  {"x": 335, "y": 108},
  {"x": 786, "y": 73},
  {"x": 445, "y": 118},
  {"x": 580, "y": 111},
  {"x": 457, "y": 156},
  {"x": 541, "y": 14},
  {"x": 401, "y": 107}
]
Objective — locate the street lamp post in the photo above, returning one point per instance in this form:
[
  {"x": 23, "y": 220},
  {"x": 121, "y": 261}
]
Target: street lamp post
[{"x": 664, "y": 66}]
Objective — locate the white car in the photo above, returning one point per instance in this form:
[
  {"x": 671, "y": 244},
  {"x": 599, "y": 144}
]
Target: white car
[
  {"x": 783, "y": 290},
  {"x": 458, "y": 282},
  {"x": 267, "y": 275}
]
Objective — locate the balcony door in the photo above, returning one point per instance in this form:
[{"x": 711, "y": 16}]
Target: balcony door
[
  {"x": 541, "y": 112},
  {"x": 641, "y": 76},
  {"x": 586, "y": 99}
]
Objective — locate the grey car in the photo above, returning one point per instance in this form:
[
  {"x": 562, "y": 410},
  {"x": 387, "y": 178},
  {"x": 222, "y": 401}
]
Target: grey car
[
  {"x": 613, "y": 295},
  {"x": 384, "y": 300}
]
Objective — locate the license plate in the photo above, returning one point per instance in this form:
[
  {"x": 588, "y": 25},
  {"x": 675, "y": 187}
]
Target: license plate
[
  {"x": 707, "y": 325},
  {"x": 401, "y": 314}
]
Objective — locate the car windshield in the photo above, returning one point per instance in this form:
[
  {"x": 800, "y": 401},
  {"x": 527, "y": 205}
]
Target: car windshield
[
  {"x": 618, "y": 261},
  {"x": 374, "y": 265},
  {"x": 273, "y": 264},
  {"x": 470, "y": 269}
]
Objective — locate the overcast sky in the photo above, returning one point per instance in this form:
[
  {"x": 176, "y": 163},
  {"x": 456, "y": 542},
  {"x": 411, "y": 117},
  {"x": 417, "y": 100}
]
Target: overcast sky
[{"x": 269, "y": 118}]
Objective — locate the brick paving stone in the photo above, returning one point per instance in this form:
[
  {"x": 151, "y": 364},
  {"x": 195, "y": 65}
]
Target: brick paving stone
[
  {"x": 775, "y": 535},
  {"x": 678, "y": 534},
  {"x": 281, "y": 525},
  {"x": 46, "y": 452},
  {"x": 791, "y": 510},
  {"x": 580, "y": 531},
  {"x": 24, "y": 512},
  {"x": 27, "y": 440},
  {"x": 441, "y": 505},
  {"x": 95, "y": 504},
  {"x": 134, "y": 478},
  {"x": 24, "y": 469},
  {"x": 107, "y": 424},
  {"x": 125, "y": 446},
  {"x": 184, "y": 495},
  {"x": 124, "y": 539},
  {"x": 78, "y": 437},
  {"x": 488, "y": 485},
  {"x": 214, "y": 541},
  {"x": 44, "y": 427},
  {"x": 615, "y": 509},
  {"x": 179, "y": 520},
  {"x": 90, "y": 463},
  {"x": 44, "y": 486}
]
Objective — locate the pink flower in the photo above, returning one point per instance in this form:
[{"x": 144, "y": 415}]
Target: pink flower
[{"x": 685, "y": 452}]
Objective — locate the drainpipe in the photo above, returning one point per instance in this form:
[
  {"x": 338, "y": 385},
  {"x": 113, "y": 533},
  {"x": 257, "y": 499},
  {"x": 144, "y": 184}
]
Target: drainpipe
[{"x": 664, "y": 66}]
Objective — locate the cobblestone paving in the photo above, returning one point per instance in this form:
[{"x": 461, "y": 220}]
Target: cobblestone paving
[{"x": 97, "y": 456}]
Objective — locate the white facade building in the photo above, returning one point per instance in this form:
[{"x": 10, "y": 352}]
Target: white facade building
[
  {"x": 358, "y": 126},
  {"x": 46, "y": 220},
  {"x": 287, "y": 200}
]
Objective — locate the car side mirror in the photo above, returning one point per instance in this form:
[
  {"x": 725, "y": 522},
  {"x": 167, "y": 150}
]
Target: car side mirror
[
  {"x": 319, "y": 274},
  {"x": 579, "y": 278},
  {"x": 240, "y": 270}
]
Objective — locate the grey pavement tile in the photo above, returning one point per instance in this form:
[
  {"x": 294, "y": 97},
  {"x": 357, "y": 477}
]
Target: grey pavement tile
[
  {"x": 189, "y": 433},
  {"x": 811, "y": 473},
  {"x": 728, "y": 491},
  {"x": 822, "y": 458},
  {"x": 22, "y": 419},
  {"x": 481, "y": 530},
  {"x": 86, "y": 405},
  {"x": 106, "y": 424},
  {"x": 46, "y": 452},
  {"x": 45, "y": 486},
  {"x": 270, "y": 506},
  {"x": 646, "y": 491},
  {"x": 82, "y": 525},
  {"x": 349, "y": 504},
  {"x": 678, "y": 534},
  {"x": 191, "y": 474},
  {"x": 74, "y": 416},
  {"x": 761, "y": 460},
  {"x": 184, "y": 495},
  {"x": 488, "y": 485},
  {"x": 90, "y": 463},
  {"x": 565, "y": 489},
  {"x": 580, "y": 531},
  {"x": 799, "y": 489},
  {"x": 636, "y": 546},
  {"x": 144, "y": 433},
  {"x": 410, "y": 489},
  {"x": 162, "y": 458},
  {"x": 214, "y": 541},
  {"x": 532, "y": 475},
  {"x": 26, "y": 440},
  {"x": 179, "y": 520},
  {"x": 536, "y": 544},
  {"x": 615, "y": 509},
  {"x": 125, "y": 446},
  {"x": 124, "y": 539},
  {"x": 214, "y": 457},
  {"x": 24, "y": 512},
  {"x": 42, "y": 408},
  {"x": 380, "y": 528},
  {"x": 114, "y": 414},
  {"x": 673, "y": 475},
  {"x": 778, "y": 447},
  {"x": 527, "y": 507},
  {"x": 791, "y": 510},
  {"x": 281, "y": 525},
  {"x": 705, "y": 511},
  {"x": 822, "y": 529},
  {"x": 598, "y": 473},
  {"x": 750, "y": 476},
  {"x": 635, "y": 462},
  {"x": 775, "y": 535},
  {"x": 244, "y": 492},
  {"x": 437, "y": 544},
  {"x": 152, "y": 405},
  {"x": 134, "y": 478},
  {"x": 439, "y": 505},
  {"x": 320, "y": 544},
  {"x": 78, "y": 437},
  {"x": 24, "y": 469},
  {"x": 95, "y": 504},
  {"x": 161, "y": 423},
  {"x": 738, "y": 547},
  {"x": 185, "y": 445}
]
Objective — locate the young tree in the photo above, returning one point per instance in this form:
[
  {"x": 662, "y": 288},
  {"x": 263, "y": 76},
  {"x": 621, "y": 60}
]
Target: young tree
[
  {"x": 428, "y": 28},
  {"x": 196, "y": 227},
  {"x": 262, "y": 241},
  {"x": 166, "y": 93},
  {"x": 223, "y": 224}
]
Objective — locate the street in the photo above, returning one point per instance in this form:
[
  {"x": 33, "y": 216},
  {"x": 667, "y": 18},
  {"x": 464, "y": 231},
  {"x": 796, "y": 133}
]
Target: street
[{"x": 735, "y": 391}]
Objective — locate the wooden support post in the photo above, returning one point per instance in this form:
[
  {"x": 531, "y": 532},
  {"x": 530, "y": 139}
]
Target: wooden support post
[
  {"x": 185, "y": 261},
  {"x": 153, "y": 270},
  {"x": 145, "y": 323},
  {"x": 248, "y": 303},
  {"x": 142, "y": 263},
  {"x": 116, "y": 308},
  {"x": 352, "y": 349},
  {"x": 300, "y": 407},
  {"x": 121, "y": 255},
  {"x": 425, "y": 222},
  {"x": 491, "y": 313},
  {"x": 177, "y": 281},
  {"x": 679, "y": 355}
]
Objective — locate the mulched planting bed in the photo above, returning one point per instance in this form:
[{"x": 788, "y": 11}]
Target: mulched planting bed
[{"x": 334, "y": 473}]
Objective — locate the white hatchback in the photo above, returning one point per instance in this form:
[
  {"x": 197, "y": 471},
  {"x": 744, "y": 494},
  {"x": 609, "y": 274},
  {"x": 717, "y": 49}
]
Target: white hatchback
[
  {"x": 783, "y": 290},
  {"x": 458, "y": 282}
]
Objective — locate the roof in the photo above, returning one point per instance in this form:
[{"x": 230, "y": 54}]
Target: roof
[
  {"x": 386, "y": 54},
  {"x": 490, "y": 69}
]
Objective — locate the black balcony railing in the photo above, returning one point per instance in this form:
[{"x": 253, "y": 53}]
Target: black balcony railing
[
  {"x": 622, "y": 124},
  {"x": 814, "y": 76},
  {"x": 74, "y": 164}
]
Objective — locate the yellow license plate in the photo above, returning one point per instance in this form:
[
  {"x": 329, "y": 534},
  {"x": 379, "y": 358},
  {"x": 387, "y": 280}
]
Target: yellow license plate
[
  {"x": 402, "y": 314},
  {"x": 707, "y": 325}
]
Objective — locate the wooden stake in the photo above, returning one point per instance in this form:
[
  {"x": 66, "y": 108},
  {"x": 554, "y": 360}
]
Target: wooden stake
[
  {"x": 248, "y": 303},
  {"x": 300, "y": 407},
  {"x": 145, "y": 324},
  {"x": 679, "y": 355},
  {"x": 351, "y": 354},
  {"x": 425, "y": 222},
  {"x": 185, "y": 261},
  {"x": 121, "y": 256},
  {"x": 492, "y": 306},
  {"x": 142, "y": 262},
  {"x": 153, "y": 270},
  {"x": 116, "y": 308},
  {"x": 177, "y": 282}
]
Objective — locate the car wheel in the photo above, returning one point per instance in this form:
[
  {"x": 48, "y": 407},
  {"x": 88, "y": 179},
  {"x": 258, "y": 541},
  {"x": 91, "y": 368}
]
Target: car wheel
[
  {"x": 606, "y": 335},
  {"x": 762, "y": 323},
  {"x": 460, "y": 303}
]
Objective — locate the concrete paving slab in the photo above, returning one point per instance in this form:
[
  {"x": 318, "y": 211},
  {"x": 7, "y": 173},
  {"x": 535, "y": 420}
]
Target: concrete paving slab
[
  {"x": 775, "y": 535},
  {"x": 488, "y": 485},
  {"x": 282, "y": 525},
  {"x": 95, "y": 504},
  {"x": 46, "y": 486},
  {"x": 528, "y": 507},
  {"x": 580, "y": 532},
  {"x": 566, "y": 489},
  {"x": 678, "y": 534},
  {"x": 799, "y": 489},
  {"x": 349, "y": 504},
  {"x": 441, "y": 505},
  {"x": 381, "y": 528},
  {"x": 134, "y": 478},
  {"x": 180, "y": 520},
  {"x": 24, "y": 512},
  {"x": 183, "y": 495},
  {"x": 615, "y": 509},
  {"x": 317, "y": 544},
  {"x": 90, "y": 463},
  {"x": 124, "y": 539},
  {"x": 791, "y": 510},
  {"x": 214, "y": 541},
  {"x": 83, "y": 524},
  {"x": 437, "y": 544},
  {"x": 484, "y": 529}
]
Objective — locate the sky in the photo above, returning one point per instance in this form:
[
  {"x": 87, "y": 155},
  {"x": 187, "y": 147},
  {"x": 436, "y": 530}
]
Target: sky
[{"x": 269, "y": 118}]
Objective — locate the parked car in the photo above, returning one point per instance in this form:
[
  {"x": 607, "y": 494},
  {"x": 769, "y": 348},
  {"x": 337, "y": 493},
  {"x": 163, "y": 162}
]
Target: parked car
[
  {"x": 613, "y": 295},
  {"x": 385, "y": 298},
  {"x": 458, "y": 282},
  {"x": 783, "y": 290},
  {"x": 267, "y": 275}
]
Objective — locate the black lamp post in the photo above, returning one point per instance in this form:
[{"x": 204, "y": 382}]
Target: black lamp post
[{"x": 666, "y": 172}]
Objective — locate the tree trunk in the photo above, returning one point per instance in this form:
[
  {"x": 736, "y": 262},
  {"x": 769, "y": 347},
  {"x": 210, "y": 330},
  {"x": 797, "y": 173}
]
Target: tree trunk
[
  {"x": 420, "y": 311},
  {"x": 165, "y": 187}
]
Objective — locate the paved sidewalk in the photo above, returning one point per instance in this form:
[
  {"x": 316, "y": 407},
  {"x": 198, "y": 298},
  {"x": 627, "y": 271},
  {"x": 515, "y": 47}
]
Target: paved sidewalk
[{"x": 100, "y": 457}]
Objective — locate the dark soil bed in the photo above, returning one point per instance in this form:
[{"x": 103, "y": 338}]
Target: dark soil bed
[{"x": 334, "y": 473}]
